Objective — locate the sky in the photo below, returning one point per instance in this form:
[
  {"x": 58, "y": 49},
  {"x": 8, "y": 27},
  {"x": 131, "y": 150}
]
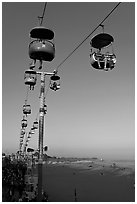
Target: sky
[{"x": 93, "y": 113}]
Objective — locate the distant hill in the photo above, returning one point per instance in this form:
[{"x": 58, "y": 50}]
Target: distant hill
[{"x": 94, "y": 158}]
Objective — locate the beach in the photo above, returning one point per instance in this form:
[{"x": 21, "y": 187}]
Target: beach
[{"x": 88, "y": 181}]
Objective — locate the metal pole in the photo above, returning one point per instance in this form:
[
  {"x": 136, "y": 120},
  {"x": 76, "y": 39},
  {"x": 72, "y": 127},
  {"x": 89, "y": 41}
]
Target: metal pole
[{"x": 41, "y": 130}]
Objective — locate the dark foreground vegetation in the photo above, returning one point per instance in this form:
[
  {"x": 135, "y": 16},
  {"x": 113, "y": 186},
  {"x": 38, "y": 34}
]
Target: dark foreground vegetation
[
  {"x": 19, "y": 181},
  {"x": 13, "y": 179}
]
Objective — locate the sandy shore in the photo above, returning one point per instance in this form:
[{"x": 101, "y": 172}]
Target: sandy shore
[{"x": 93, "y": 181}]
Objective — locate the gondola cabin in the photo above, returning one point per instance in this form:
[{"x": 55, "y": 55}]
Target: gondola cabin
[
  {"x": 102, "y": 60},
  {"x": 27, "y": 140},
  {"x": 26, "y": 109},
  {"x": 24, "y": 123},
  {"x": 55, "y": 82},
  {"x": 29, "y": 136},
  {"x": 45, "y": 148},
  {"x": 26, "y": 143},
  {"x": 22, "y": 132},
  {"x": 35, "y": 125},
  {"x": 30, "y": 78},
  {"x": 22, "y": 136},
  {"x": 21, "y": 140},
  {"x": 45, "y": 109},
  {"x": 42, "y": 48},
  {"x": 21, "y": 143},
  {"x": 32, "y": 130}
]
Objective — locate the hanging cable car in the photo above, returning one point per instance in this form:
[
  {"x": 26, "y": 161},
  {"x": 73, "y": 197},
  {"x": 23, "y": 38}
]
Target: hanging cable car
[
  {"x": 28, "y": 139},
  {"x": 42, "y": 48},
  {"x": 21, "y": 143},
  {"x": 21, "y": 140},
  {"x": 26, "y": 144},
  {"x": 98, "y": 59},
  {"x": 55, "y": 82},
  {"x": 30, "y": 150},
  {"x": 22, "y": 132},
  {"x": 30, "y": 78},
  {"x": 29, "y": 136},
  {"x": 35, "y": 124},
  {"x": 45, "y": 148},
  {"x": 45, "y": 109},
  {"x": 24, "y": 123},
  {"x": 32, "y": 131},
  {"x": 26, "y": 109},
  {"x": 22, "y": 136}
]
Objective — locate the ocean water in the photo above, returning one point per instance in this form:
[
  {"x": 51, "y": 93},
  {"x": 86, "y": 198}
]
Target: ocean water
[
  {"x": 129, "y": 164},
  {"x": 126, "y": 163}
]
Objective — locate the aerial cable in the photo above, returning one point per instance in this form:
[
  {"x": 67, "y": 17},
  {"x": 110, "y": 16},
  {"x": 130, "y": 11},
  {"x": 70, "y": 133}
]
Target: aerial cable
[
  {"x": 100, "y": 24},
  {"x": 42, "y": 17}
]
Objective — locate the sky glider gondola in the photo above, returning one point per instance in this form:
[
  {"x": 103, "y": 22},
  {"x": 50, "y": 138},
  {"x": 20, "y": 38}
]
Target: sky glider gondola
[
  {"x": 24, "y": 123},
  {"x": 29, "y": 136},
  {"x": 30, "y": 150},
  {"x": 30, "y": 78},
  {"x": 98, "y": 59},
  {"x": 45, "y": 148},
  {"x": 42, "y": 48},
  {"x": 45, "y": 108},
  {"x": 32, "y": 130},
  {"x": 22, "y": 136},
  {"x": 35, "y": 124},
  {"x": 21, "y": 140},
  {"x": 26, "y": 109},
  {"x": 55, "y": 82},
  {"x": 22, "y": 132}
]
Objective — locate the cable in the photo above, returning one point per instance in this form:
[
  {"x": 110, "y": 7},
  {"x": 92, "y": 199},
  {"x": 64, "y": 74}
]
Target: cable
[
  {"x": 88, "y": 36},
  {"x": 41, "y": 17}
]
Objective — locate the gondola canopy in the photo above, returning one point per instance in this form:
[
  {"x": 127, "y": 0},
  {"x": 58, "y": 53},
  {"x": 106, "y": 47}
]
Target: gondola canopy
[
  {"x": 101, "y": 40},
  {"x": 42, "y": 33}
]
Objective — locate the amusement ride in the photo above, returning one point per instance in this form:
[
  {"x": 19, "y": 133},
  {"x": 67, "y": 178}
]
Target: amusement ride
[{"x": 42, "y": 49}]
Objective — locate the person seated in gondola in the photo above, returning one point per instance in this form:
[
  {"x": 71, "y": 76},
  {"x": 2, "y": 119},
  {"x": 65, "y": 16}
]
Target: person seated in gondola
[
  {"x": 100, "y": 57},
  {"x": 110, "y": 60},
  {"x": 54, "y": 85},
  {"x": 33, "y": 64}
]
